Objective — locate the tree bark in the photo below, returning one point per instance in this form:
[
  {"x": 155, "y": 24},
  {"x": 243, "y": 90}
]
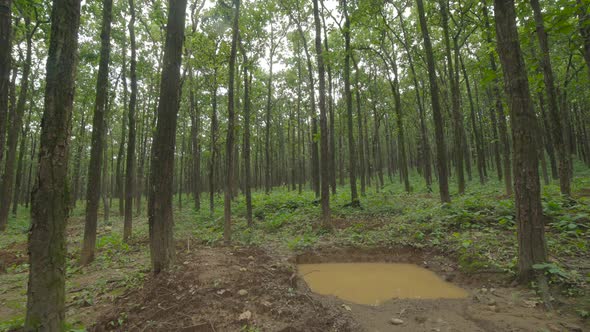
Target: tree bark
[
  {"x": 455, "y": 101},
  {"x": 324, "y": 144},
  {"x": 130, "y": 159},
  {"x": 441, "y": 154},
  {"x": 246, "y": 153},
  {"x": 49, "y": 210},
  {"x": 162, "y": 164},
  {"x": 5, "y": 61},
  {"x": 14, "y": 129},
  {"x": 229, "y": 143},
  {"x": 529, "y": 212},
  {"x": 98, "y": 133},
  {"x": 354, "y": 199},
  {"x": 558, "y": 126}
]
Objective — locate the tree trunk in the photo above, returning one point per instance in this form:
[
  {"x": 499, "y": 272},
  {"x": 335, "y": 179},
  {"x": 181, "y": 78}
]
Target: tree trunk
[
  {"x": 558, "y": 130},
  {"x": 229, "y": 143},
  {"x": 324, "y": 143},
  {"x": 455, "y": 102},
  {"x": 120, "y": 187},
  {"x": 98, "y": 132},
  {"x": 354, "y": 199},
  {"x": 160, "y": 217},
  {"x": 441, "y": 154},
  {"x": 529, "y": 212},
  {"x": 476, "y": 133},
  {"x": 49, "y": 210},
  {"x": 14, "y": 129},
  {"x": 130, "y": 160},
  {"x": 5, "y": 60},
  {"x": 246, "y": 153}
]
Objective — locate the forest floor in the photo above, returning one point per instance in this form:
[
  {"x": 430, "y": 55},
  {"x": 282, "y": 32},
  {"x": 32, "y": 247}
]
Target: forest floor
[{"x": 254, "y": 286}]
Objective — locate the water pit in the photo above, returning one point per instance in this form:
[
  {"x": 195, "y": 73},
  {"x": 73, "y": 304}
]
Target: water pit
[{"x": 375, "y": 283}]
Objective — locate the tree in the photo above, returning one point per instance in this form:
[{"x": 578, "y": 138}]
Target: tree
[
  {"x": 558, "y": 127},
  {"x": 14, "y": 128},
  {"x": 130, "y": 160},
  {"x": 441, "y": 154},
  {"x": 529, "y": 212},
  {"x": 325, "y": 155},
  {"x": 162, "y": 162},
  {"x": 455, "y": 100},
  {"x": 229, "y": 143},
  {"x": 49, "y": 199},
  {"x": 5, "y": 60},
  {"x": 354, "y": 200},
  {"x": 98, "y": 139}
]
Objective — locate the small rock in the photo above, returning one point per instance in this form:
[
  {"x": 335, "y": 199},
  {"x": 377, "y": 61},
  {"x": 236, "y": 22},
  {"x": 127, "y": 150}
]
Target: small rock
[
  {"x": 493, "y": 308},
  {"x": 108, "y": 228},
  {"x": 251, "y": 258},
  {"x": 491, "y": 302},
  {"x": 266, "y": 304},
  {"x": 185, "y": 262},
  {"x": 221, "y": 291},
  {"x": 484, "y": 290},
  {"x": 242, "y": 292},
  {"x": 396, "y": 321},
  {"x": 243, "y": 269},
  {"x": 246, "y": 315},
  {"x": 347, "y": 308}
]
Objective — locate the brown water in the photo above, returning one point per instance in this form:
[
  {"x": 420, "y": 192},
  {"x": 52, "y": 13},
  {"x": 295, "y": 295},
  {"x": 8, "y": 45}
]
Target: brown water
[{"x": 374, "y": 283}]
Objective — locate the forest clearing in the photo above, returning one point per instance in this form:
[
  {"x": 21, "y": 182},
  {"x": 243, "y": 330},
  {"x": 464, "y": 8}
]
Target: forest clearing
[{"x": 290, "y": 165}]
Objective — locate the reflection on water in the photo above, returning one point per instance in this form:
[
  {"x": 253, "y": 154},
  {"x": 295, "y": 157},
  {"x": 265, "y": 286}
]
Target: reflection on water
[{"x": 374, "y": 283}]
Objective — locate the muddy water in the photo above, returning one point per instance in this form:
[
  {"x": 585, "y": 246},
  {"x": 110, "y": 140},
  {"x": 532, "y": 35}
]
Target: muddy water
[{"x": 374, "y": 283}]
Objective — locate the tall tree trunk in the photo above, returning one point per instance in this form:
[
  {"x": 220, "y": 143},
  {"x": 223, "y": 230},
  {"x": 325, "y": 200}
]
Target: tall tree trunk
[
  {"x": 49, "y": 210},
  {"x": 162, "y": 164},
  {"x": 455, "y": 101},
  {"x": 324, "y": 144},
  {"x": 403, "y": 164},
  {"x": 195, "y": 121},
  {"x": 120, "y": 187},
  {"x": 213, "y": 150},
  {"x": 246, "y": 153},
  {"x": 14, "y": 129},
  {"x": 130, "y": 160},
  {"x": 558, "y": 130},
  {"x": 476, "y": 133},
  {"x": 98, "y": 133},
  {"x": 267, "y": 119},
  {"x": 229, "y": 143},
  {"x": 21, "y": 156},
  {"x": 5, "y": 60},
  {"x": 529, "y": 212},
  {"x": 354, "y": 199},
  {"x": 504, "y": 141},
  {"x": 441, "y": 154}
]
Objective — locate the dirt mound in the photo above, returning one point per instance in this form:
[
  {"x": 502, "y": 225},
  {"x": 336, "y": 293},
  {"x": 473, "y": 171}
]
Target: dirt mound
[{"x": 224, "y": 289}]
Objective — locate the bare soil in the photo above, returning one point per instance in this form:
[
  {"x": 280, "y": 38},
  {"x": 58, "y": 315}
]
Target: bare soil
[{"x": 226, "y": 289}]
